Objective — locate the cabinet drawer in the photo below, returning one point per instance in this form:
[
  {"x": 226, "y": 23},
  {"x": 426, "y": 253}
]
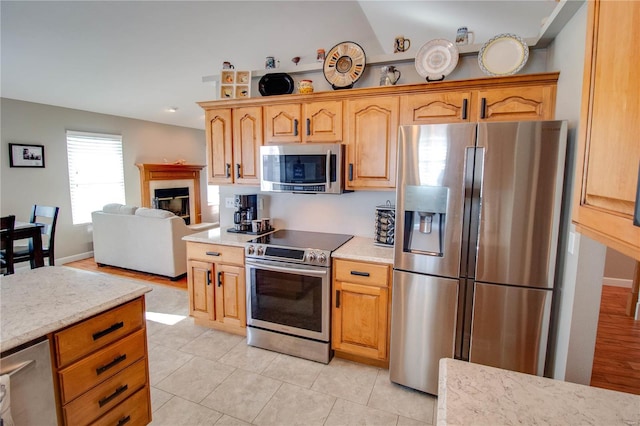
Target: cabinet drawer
[
  {"x": 88, "y": 336},
  {"x": 107, "y": 395},
  {"x": 361, "y": 273},
  {"x": 131, "y": 412},
  {"x": 215, "y": 253},
  {"x": 98, "y": 367}
]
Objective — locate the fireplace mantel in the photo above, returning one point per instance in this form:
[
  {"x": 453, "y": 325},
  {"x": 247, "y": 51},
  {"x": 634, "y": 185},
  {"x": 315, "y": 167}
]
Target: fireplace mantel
[{"x": 165, "y": 172}]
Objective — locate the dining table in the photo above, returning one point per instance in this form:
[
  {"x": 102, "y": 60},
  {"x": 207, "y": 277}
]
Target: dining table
[{"x": 33, "y": 231}]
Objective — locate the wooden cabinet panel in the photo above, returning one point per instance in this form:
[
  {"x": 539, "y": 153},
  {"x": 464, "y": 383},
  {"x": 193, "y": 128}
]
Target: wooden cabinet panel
[
  {"x": 216, "y": 286},
  {"x": 515, "y": 103},
  {"x": 135, "y": 411},
  {"x": 435, "y": 108},
  {"x": 247, "y": 138},
  {"x": 230, "y": 295},
  {"x": 90, "y": 335},
  {"x": 303, "y": 122},
  {"x": 282, "y": 123},
  {"x": 218, "y": 131},
  {"x": 372, "y": 137},
  {"x": 608, "y": 159},
  {"x": 200, "y": 287}
]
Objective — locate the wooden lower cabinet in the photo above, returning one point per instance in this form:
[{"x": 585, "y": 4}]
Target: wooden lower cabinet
[
  {"x": 216, "y": 286},
  {"x": 360, "y": 311},
  {"x": 101, "y": 368}
]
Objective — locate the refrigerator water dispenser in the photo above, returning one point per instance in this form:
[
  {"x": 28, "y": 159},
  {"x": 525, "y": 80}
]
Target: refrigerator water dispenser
[{"x": 425, "y": 209}]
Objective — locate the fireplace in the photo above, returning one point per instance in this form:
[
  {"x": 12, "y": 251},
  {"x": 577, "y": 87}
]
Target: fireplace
[
  {"x": 182, "y": 178},
  {"x": 175, "y": 200}
]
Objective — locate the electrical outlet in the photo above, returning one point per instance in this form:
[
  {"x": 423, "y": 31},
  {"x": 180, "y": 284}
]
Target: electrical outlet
[{"x": 229, "y": 202}]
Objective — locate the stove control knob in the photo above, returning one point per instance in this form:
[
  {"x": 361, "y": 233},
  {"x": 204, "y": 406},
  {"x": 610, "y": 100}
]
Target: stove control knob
[
  {"x": 250, "y": 250},
  {"x": 311, "y": 257},
  {"x": 260, "y": 251},
  {"x": 322, "y": 258}
]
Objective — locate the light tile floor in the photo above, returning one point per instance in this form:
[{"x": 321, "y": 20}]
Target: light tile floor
[{"x": 201, "y": 376}]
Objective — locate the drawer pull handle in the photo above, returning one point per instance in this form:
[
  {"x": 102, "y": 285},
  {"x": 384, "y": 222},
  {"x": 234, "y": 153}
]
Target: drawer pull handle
[
  {"x": 213, "y": 253},
  {"x": 464, "y": 109},
  {"x": 117, "y": 360},
  {"x": 337, "y": 298},
  {"x": 483, "y": 108},
  {"x": 106, "y": 331},
  {"x": 208, "y": 277},
  {"x": 219, "y": 279},
  {"x": 124, "y": 420},
  {"x": 360, "y": 274},
  {"x": 115, "y": 394},
  {"x": 227, "y": 170},
  {"x": 295, "y": 127}
]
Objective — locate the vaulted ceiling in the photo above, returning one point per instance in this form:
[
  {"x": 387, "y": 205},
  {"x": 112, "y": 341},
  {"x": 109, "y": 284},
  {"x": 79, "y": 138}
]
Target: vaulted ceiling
[{"x": 137, "y": 58}]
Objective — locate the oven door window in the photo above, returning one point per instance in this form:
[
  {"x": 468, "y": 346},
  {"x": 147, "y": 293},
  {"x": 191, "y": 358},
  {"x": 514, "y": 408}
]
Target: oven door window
[{"x": 287, "y": 299}]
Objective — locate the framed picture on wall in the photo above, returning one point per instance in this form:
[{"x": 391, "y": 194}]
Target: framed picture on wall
[{"x": 26, "y": 155}]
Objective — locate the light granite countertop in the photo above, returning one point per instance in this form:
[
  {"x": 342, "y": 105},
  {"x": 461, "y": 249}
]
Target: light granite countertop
[
  {"x": 39, "y": 301},
  {"x": 357, "y": 248},
  {"x": 362, "y": 248},
  {"x": 220, "y": 236},
  {"x": 476, "y": 394}
]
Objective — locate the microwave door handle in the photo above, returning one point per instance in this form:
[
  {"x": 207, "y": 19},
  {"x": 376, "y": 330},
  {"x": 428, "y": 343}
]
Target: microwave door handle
[{"x": 328, "y": 169}]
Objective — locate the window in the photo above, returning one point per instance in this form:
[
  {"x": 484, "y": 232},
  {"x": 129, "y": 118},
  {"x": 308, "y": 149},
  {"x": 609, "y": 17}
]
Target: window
[{"x": 96, "y": 173}]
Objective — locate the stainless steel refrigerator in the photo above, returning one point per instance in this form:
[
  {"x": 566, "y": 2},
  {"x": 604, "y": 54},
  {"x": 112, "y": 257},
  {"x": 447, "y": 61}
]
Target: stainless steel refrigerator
[{"x": 477, "y": 225}]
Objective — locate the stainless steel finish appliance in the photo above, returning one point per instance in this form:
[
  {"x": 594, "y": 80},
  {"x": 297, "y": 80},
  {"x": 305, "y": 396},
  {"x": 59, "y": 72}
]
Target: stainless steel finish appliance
[
  {"x": 246, "y": 210},
  {"x": 307, "y": 168},
  {"x": 30, "y": 392},
  {"x": 478, "y": 212},
  {"x": 289, "y": 292}
]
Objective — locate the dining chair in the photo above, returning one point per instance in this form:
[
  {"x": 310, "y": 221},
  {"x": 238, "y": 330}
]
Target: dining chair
[
  {"x": 6, "y": 243},
  {"x": 48, "y": 217}
]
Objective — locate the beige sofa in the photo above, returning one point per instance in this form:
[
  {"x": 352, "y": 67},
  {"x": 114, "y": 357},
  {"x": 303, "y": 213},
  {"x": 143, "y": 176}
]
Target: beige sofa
[{"x": 142, "y": 239}]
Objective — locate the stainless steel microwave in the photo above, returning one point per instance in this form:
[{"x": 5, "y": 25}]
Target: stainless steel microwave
[{"x": 305, "y": 168}]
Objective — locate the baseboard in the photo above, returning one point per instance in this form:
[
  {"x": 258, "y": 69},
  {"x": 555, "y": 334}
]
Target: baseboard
[
  {"x": 75, "y": 257},
  {"x": 617, "y": 282}
]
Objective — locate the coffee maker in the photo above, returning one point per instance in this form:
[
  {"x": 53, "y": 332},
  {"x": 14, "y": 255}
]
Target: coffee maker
[{"x": 246, "y": 210}]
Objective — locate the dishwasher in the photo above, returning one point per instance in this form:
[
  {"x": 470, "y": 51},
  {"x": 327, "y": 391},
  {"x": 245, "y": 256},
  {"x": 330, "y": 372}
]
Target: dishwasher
[{"x": 30, "y": 391}]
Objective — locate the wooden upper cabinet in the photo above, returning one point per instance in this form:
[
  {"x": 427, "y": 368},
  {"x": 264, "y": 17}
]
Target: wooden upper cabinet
[
  {"x": 372, "y": 139},
  {"x": 434, "y": 108},
  {"x": 514, "y": 104},
  {"x": 218, "y": 132},
  {"x": 247, "y": 138},
  {"x": 608, "y": 160},
  {"x": 303, "y": 122}
]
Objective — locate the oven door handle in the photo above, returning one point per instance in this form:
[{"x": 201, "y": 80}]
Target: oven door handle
[{"x": 293, "y": 270}]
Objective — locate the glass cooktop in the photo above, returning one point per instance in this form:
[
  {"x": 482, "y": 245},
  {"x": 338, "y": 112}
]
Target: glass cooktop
[{"x": 303, "y": 239}]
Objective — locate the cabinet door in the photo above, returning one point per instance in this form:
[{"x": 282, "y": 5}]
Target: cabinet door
[
  {"x": 218, "y": 132},
  {"x": 360, "y": 317},
  {"x": 282, "y": 124},
  {"x": 230, "y": 295},
  {"x": 515, "y": 103},
  {"x": 201, "y": 292},
  {"x": 323, "y": 121},
  {"x": 609, "y": 151},
  {"x": 247, "y": 138},
  {"x": 428, "y": 108},
  {"x": 372, "y": 138}
]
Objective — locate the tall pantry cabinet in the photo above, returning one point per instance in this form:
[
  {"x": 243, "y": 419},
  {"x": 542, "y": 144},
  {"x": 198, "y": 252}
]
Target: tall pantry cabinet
[{"x": 608, "y": 160}]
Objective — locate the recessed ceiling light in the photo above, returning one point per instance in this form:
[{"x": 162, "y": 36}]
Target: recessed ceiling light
[{"x": 172, "y": 109}]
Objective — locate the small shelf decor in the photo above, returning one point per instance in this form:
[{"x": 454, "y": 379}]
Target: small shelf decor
[{"x": 235, "y": 84}]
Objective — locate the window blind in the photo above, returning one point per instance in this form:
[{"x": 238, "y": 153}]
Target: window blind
[{"x": 96, "y": 173}]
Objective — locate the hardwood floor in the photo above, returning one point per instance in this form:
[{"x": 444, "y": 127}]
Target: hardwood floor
[
  {"x": 616, "y": 363},
  {"x": 90, "y": 265}
]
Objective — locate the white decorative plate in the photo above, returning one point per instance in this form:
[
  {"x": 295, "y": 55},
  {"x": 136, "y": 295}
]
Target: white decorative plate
[
  {"x": 504, "y": 54},
  {"x": 436, "y": 59}
]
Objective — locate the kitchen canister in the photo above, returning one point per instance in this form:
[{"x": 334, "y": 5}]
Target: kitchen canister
[{"x": 385, "y": 225}]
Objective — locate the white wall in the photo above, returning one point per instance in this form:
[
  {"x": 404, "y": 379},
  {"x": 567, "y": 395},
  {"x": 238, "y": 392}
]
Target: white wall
[
  {"x": 143, "y": 141},
  {"x": 578, "y": 300}
]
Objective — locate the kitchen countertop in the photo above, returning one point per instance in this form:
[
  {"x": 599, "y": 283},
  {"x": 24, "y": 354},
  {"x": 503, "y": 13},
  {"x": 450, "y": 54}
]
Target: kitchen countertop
[
  {"x": 220, "y": 236},
  {"x": 39, "y": 301},
  {"x": 476, "y": 394},
  {"x": 362, "y": 248}
]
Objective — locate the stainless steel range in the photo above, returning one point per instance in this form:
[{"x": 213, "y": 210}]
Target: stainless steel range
[{"x": 289, "y": 292}]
